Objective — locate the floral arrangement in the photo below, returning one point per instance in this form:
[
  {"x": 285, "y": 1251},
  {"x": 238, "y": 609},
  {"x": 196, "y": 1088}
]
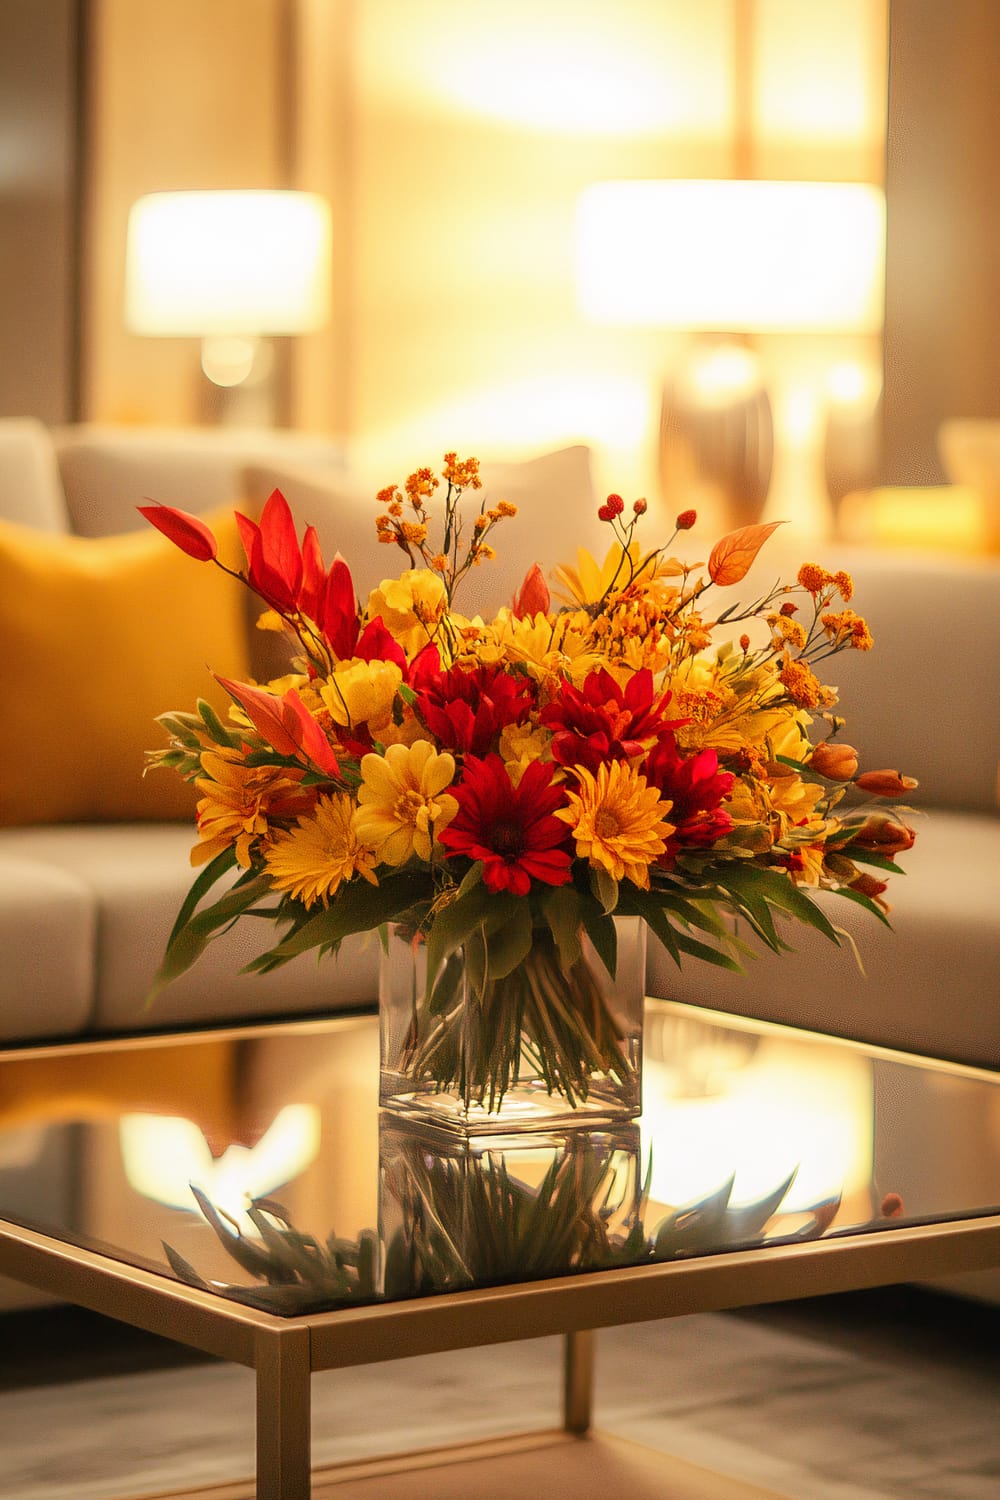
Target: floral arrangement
[{"x": 635, "y": 745}]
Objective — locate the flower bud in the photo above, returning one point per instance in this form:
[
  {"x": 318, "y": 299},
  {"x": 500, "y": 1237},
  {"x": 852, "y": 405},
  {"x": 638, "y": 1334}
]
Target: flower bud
[
  {"x": 686, "y": 520},
  {"x": 639, "y": 507},
  {"x": 885, "y": 783},
  {"x": 188, "y": 532},
  {"x": 836, "y": 761},
  {"x": 869, "y": 886},
  {"x": 744, "y": 643},
  {"x": 884, "y": 835}
]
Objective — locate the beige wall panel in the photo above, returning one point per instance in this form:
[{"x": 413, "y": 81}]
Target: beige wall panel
[
  {"x": 183, "y": 95},
  {"x": 476, "y": 128}
]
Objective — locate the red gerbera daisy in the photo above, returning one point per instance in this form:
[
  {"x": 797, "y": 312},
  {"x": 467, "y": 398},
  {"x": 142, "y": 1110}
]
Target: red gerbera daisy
[
  {"x": 604, "y": 722},
  {"x": 510, "y": 828},
  {"x": 466, "y": 708},
  {"x": 695, "y": 787}
]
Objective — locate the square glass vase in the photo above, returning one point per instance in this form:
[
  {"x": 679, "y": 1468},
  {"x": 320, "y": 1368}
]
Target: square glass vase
[{"x": 541, "y": 1047}]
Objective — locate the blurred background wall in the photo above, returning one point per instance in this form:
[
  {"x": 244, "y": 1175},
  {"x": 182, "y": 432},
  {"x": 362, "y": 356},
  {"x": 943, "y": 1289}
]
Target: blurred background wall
[{"x": 452, "y": 141}]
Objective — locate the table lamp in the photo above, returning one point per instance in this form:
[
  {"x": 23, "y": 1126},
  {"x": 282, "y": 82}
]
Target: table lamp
[
  {"x": 232, "y": 269},
  {"x": 727, "y": 260}
]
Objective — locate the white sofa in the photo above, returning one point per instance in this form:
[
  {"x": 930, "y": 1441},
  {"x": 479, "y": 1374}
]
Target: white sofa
[{"x": 85, "y": 908}]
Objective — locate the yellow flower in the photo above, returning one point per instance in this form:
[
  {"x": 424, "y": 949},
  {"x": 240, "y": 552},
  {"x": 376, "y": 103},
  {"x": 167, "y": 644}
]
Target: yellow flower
[
  {"x": 800, "y": 683},
  {"x": 589, "y": 581},
  {"x": 557, "y": 648},
  {"x": 411, "y": 605},
  {"x": 617, "y": 821},
  {"x": 520, "y": 744},
  {"x": 400, "y": 802},
  {"x": 361, "y": 692},
  {"x": 312, "y": 859},
  {"x": 235, "y": 802}
]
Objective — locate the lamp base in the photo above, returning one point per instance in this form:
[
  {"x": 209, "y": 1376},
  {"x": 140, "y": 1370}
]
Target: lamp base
[{"x": 717, "y": 435}]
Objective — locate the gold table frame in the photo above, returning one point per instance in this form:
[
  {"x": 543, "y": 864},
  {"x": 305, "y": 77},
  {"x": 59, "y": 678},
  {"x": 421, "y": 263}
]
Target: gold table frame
[{"x": 285, "y": 1352}]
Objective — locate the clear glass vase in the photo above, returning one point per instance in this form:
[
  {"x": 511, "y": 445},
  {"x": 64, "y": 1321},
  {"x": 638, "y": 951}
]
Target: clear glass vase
[{"x": 539, "y": 1048}]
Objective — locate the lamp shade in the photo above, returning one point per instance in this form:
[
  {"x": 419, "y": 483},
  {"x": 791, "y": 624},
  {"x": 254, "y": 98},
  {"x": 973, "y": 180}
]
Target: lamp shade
[
  {"x": 732, "y": 255},
  {"x": 200, "y": 264}
]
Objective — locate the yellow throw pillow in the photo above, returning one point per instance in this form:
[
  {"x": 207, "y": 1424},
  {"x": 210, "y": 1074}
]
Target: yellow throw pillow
[{"x": 97, "y": 637}]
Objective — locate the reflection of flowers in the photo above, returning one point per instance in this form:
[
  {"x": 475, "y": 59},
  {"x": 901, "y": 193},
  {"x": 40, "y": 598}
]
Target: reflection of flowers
[{"x": 452, "y": 1217}]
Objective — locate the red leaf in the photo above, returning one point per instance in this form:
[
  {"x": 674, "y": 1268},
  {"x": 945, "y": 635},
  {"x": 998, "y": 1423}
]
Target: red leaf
[
  {"x": 187, "y": 532},
  {"x": 249, "y": 532},
  {"x": 264, "y": 712},
  {"x": 273, "y": 556},
  {"x": 313, "y": 576},
  {"x": 307, "y": 734},
  {"x": 375, "y": 643},
  {"x": 731, "y": 557},
  {"x": 338, "y": 617}
]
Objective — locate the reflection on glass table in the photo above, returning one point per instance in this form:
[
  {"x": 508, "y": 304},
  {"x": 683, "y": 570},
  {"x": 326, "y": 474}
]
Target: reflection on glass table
[{"x": 257, "y": 1163}]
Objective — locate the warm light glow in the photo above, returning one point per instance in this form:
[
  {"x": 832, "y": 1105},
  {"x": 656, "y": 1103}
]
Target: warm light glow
[
  {"x": 719, "y": 376},
  {"x": 164, "y": 1154},
  {"x": 854, "y": 388},
  {"x": 763, "y": 1120},
  {"x": 228, "y": 263},
  {"x": 603, "y": 70},
  {"x": 758, "y": 256}
]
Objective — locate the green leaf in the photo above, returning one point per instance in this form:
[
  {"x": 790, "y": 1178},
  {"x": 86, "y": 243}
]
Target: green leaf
[
  {"x": 869, "y": 857},
  {"x": 509, "y": 945},
  {"x": 220, "y": 734},
  {"x": 472, "y": 877},
  {"x": 561, "y": 908},
  {"x": 451, "y": 928},
  {"x": 358, "y": 907},
  {"x": 708, "y": 954},
  {"x": 209, "y": 875},
  {"x": 193, "y": 939},
  {"x": 600, "y": 928},
  {"x": 604, "y": 887}
]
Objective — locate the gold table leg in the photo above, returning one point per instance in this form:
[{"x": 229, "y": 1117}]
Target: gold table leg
[
  {"x": 578, "y": 1380},
  {"x": 283, "y": 1414}
]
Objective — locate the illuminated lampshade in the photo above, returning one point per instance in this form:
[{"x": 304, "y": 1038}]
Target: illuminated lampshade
[
  {"x": 732, "y": 255},
  {"x": 228, "y": 263}
]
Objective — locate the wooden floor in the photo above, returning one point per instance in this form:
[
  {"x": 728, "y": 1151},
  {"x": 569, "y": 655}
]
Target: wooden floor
[
  {"x": 560, "y": 1467},
  {"x": 871, "y": 1396}
]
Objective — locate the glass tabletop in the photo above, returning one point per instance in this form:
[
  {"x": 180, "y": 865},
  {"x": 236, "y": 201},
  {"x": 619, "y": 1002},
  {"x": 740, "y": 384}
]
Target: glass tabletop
[{"x": 256, "y": 1162}]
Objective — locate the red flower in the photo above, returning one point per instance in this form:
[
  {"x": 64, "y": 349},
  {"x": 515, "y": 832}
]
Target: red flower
[
  {"x": 533, "y": 597},
  {"x": 603, "y": 722},
  {"x": 511, "y": 829},
  {"x": 695, "y": 786},
  {"x": 466, "y": 708},
  {"x": 274, "y": 557}
]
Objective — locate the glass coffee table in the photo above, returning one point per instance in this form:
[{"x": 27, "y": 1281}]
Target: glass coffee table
[{"x": 239, "y": 1191}]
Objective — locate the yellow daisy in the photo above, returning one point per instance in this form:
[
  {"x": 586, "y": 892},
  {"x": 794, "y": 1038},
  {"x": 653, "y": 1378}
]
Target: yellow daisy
[
  {"x": 400, "y": 803},
  {"x": 235, "y": 802},
  {"x": 312, "y": 859},
  {"x": 617, "y": 821}
]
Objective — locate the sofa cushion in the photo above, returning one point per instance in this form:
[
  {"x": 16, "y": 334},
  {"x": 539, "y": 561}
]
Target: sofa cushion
[
  {"x": 97, "y": 637},
  {"x": 557, "y": 513},
  {"x": 138, "y": 876},
  {"x": 48, "y": 937},
  {"x": 31, "y": 491},
  {"x": 108, "y": 471},
  {"x": 931, "y": 984}
]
